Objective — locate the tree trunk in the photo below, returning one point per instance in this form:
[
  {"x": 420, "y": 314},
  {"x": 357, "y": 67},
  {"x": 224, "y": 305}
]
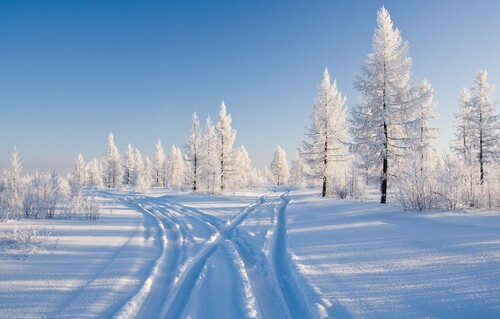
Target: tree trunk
[
  {"x": 481, "y": 168},
  {"x": 194, "y": 177},
  {"x": 325, "y": 162}
]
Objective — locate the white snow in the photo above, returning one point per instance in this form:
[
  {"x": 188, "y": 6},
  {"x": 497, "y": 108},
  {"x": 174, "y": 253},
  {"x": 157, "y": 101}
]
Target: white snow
[{"x": 253, "y": 254}]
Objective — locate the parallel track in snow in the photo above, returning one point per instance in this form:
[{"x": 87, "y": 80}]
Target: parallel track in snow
[{"x": 266, "y": 283}]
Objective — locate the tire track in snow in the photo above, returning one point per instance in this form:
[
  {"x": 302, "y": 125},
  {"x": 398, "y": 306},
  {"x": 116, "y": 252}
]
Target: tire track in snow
[
  {"x": 152, "y": 295},
  {"x": 184, "y": 287},
  {"x": 263, "y": 297},
  {"x": 281, "y": 265}
]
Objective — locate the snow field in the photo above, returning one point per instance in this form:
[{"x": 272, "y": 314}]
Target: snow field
[
  {"x": 374, "y": 261},
  {"x": 94, "y": 267}
]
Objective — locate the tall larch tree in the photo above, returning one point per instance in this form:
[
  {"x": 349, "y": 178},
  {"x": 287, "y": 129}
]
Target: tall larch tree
[
  {"x": 159, "y": 165},
  {"x": 226, "y": 136},
  {"x": 326, "y": 148},
  {"x": 193, "y": 150},
  {"x": 382, "y": 121},
  {"x": 485, "y": 123},
  {"x": 112, "y": 164}
]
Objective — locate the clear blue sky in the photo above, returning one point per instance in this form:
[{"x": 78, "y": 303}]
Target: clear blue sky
[{"x": 72, "y": 71}]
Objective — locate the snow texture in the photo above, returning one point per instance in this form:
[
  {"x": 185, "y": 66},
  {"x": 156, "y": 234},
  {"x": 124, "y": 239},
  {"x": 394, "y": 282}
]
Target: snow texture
[{"x": 253, "y": 254}]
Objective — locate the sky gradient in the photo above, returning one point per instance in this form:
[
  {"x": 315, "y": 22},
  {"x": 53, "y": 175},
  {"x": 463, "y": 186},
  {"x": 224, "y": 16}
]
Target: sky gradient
[{"x": 72, "y": 71}]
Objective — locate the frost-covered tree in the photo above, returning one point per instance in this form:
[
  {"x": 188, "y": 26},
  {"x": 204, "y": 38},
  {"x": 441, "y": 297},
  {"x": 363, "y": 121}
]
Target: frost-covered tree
[
  {"x": 13, "y": 194},
  {"x": 325, "y": 150},
  {"x": 175, "y": 168},
  {"x": 279, "y": 167},
  {"x": 79, "y": 178},
  {"x": 149, "y": 175},
  {"x": 112, "y": 164},
  {"x": 382, "y": 121},
  {"x": 416, "y": 183},
  {"x": 129, "y": 166},
  {"x": 485, "y": 124},
  {"x": 298, "y": 171},
  {"x": 193, "y": 153},
  {"x": 210, "y": 164},
  {"x": 139, "y": 176},
  {"x": 94, "y": 173},
  {"x": 476, "y": 142},
  {"x": 226, "y": 136},
  {"x": 463, "y": 146},
  {"x": 159, "y": 165},
  {"x": 243, "y": 168}
]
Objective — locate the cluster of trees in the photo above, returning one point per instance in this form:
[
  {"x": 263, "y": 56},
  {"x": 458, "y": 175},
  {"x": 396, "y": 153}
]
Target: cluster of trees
[
  {"x": 209, "y": 164},
  {"x": 44, "y": 195},
  {"x": 386, "y": 139}
]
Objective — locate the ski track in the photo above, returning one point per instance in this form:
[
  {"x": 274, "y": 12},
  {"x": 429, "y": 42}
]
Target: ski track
[{"x": 267, "y": 281}]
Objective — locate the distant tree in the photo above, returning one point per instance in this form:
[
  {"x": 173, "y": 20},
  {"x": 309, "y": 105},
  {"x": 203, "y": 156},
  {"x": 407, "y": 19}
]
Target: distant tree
[
  {"x": 79, "y": 175},
  {"x": 94, "y": 173},
  {"x": 112, "y": 164},
  {"x": 279, "y": 167},
  {"x": 129, "y": 166},
  {"x": 226, "y": 136},
  {"x": 159, "y": 165},
  {"x": 140, "y": 175},
  {"x": 298, "y": 171},
  {"x": 149, "y": 174},
  {"x": 382, "y": 121},
  {"x": 243, "y": 168},
  {"x": 14, "y": 199},
  {"x": 193, "y": 153},
  {"x": 210, "y": 164},
  {"x": 326, "y": 150},
  {"x": 175, "y": 168}
]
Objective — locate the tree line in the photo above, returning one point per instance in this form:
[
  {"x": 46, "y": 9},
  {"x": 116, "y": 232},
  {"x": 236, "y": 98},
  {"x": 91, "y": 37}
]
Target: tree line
[{"x": 386, "y": 140}]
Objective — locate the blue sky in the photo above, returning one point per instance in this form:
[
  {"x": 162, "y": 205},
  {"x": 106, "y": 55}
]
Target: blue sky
[{"x": 72, "y": 71}]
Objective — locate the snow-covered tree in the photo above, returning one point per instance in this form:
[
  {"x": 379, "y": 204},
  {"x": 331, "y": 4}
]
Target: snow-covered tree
[
  {"x": 139, "y": 175},
  {"x": 94, "y": 173},
  {"x": 298, "y": 171},
  {"x": 112, "y": 164},
  {"x": 226, "y": 136},
  {"x": 382, "y": 121},
  {"x": 159, "y": 165},
  {"x": 129, "y": 166},
  {"x": 325, "y": 150},
  {"x": 148, "y": 175},
  {"x": 279, "y": 167},
  {"x": 463, "y": 146},
  {"x": 175, "y": 168},
  {"x": 79, "y": 177},
  {"x": 416, "y": 183},
  {"x": 193, "y": 153},
  {"x": 13, "y": 194},
  {"x": 476, "y": 142},
  {"x": 485, "y": 124},
  {"x": 210, "y": 164},
  {"x": 243, "y": 168}
]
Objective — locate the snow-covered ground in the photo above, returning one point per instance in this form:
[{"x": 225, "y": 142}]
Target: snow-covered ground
[{"x": 254, "y": 254}]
